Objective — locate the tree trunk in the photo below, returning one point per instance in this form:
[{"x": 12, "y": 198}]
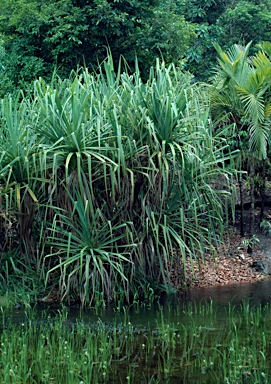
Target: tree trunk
[
  {"x": 263, "y": 186},
  {"x": 241, "y": 188},
  {"x": 252, "y": 196},
  {"x": 26, "y": 220},
  {"x": 240, "y": 181}
]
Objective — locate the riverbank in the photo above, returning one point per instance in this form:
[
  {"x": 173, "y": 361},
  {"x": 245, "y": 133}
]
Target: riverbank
[{"x": 231, "y": 264}]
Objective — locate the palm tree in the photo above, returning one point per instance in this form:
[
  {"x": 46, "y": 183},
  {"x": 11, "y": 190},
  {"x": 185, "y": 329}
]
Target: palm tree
[{"x": 242, "y": 92}]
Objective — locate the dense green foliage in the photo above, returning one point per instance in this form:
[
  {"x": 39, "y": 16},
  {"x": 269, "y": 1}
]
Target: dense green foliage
[
  {"x": 111, "y": 172},
  {"x": 226, "y": 22},
  {"x": 37, "y": 36},
  {"x": 105, "y": 177}
]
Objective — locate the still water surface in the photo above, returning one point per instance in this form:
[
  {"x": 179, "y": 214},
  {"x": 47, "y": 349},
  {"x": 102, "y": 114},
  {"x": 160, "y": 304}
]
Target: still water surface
[
  {"x": 221, "y": 297},
  {"x": 257, "y": 294},
  {"x": 199, "y": 337}
]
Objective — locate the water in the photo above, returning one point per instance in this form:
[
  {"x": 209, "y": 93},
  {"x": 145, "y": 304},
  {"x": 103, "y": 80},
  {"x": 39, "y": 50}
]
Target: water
[
  {"x": 205, "y": 336},
  {"x": 257, "y": 294}
]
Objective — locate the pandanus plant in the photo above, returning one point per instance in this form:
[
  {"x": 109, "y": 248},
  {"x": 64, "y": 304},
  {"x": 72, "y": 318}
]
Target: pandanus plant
[{"x": 127, "y": 179}]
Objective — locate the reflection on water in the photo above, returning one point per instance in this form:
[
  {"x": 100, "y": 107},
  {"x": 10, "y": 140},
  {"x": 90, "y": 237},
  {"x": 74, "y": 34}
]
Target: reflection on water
[
  {"x": 144, "y": 316},
  {"x": 256, "y": 293},
  {"x": 179, "y": 340}
]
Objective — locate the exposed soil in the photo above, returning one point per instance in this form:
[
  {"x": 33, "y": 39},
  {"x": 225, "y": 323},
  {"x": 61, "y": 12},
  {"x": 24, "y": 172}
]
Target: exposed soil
[{"x": 232, "y": 264}]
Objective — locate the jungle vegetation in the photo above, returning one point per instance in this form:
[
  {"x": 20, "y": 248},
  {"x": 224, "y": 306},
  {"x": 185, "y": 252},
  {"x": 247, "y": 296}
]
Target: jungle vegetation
[
  {"x": 37, "y": 36},
  {"x": 115, "y": 164}
]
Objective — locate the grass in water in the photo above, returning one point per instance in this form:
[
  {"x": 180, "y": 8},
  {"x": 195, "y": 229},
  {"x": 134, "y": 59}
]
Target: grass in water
[{"x": 197, "y": 347}]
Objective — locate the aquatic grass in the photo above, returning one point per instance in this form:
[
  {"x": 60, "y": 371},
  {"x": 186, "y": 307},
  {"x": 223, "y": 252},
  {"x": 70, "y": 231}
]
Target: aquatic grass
[
  {"x": 53, "y": 349},
  {"x": 203, "y": 308}
]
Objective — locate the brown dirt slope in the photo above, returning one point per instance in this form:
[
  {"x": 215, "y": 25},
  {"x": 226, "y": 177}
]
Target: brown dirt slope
[{"x": 232, "y": 264}]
